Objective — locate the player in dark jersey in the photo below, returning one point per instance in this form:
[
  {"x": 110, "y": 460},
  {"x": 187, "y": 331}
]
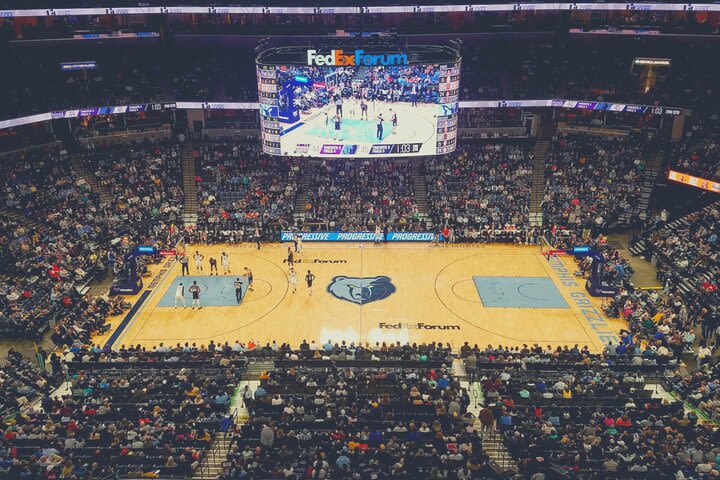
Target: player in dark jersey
[
  {"x": 213, "y": 266},
  {"x": 195, "y": 290},
  {"x": 309, "y": 278},
  {"x": 337, "y": 121},
  {"x": 363, "y": 110},
  {"x": 249, "y": 275},
  {"x": 238, "y": 289}
]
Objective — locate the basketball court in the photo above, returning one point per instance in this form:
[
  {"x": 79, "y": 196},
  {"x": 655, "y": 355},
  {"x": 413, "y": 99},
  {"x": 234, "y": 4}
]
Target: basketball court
[{"x": 484, "y": 294}]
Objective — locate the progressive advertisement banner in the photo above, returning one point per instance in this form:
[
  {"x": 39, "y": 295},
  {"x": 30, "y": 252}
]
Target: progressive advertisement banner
[{"x": 358, "y": 236}]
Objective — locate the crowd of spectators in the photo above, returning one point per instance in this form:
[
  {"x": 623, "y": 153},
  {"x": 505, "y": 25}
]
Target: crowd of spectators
[
  {"x": 131, "y": 414},
  {"x": 482, "y": 191},
  {"x": 593, "y": 181},
  {"x": 683, "y": 317},
  {"x": 20, "y": 382},
  {"x": 686, "y": 248},
  {"x": 698, "y": 153},
  {"x": 47, "y": 257},
  {"x": 144, "y": 182},
  {"x": 346, "y": 410},
  {"x": 60, "y": 235},
  {"x": 240, "y": 189},
  {"x": 662, "y": 324},
  {"x": 361, "y": 195},
  {"x": 331, "y": 413},
  {"x": 566, "y": 412}
]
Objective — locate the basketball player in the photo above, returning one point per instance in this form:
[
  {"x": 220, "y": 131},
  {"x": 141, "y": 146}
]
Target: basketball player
[
  {"x": 379, "y": 121},
  {"x": 293, "y": 280},
  {"x": 338, "y": 124},
  {"x": 249, "y": 275},
  {"x": 238, "y": 289},
  {"x": 213, "y": 266},
  {"x": 327, "y": 124},
  {"x": 290, "y": 257},
  {"x": 309, "y": 278},
  {"x": 184, "y": 264},
  {"x": 363, "y": 110},
  {"x": 180, "y": 295},
  {"x": 338, "y": 107},
  {"x": 225, "y": 262},
  {"x": 257, "y": 237},
  {"x": 394, "y": 121},
  {"x": 195, "y": 290},
  {"x": 198, "y": 257},
  {"x": 296, "y": 240},
  {"x": 378, "y": 234}
]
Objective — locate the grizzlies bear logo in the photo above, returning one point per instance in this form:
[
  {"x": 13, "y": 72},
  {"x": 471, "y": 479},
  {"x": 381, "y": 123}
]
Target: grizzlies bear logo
[{"x": 361, "y": 290}]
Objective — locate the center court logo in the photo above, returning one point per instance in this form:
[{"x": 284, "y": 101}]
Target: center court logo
[
  {"x": 361, "y": 290},
  {"x": 338, "y": 58}
]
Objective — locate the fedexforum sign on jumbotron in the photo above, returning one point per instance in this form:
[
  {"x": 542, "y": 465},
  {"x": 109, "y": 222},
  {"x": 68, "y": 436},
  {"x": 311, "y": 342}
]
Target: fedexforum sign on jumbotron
[{"x": 338, "y": 58}]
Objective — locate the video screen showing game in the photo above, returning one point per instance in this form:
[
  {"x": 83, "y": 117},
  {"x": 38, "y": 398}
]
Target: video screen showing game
[{"x": 366, "y": 111}]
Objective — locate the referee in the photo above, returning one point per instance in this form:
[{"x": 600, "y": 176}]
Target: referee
[{"x": 238, "y": 290}]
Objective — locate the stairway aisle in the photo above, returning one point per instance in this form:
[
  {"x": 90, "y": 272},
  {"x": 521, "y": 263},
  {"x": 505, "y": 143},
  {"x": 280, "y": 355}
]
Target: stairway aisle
[
  {"x": 420, "y": 189},
  {"x": 537, "y": 194},
  {"x": 19, "y": 218},
  {"x": 212, "y": 465},
  {"x": 302, "y": 196},
  {"x": 492, "y": 440},
  {"x": 653, "y": 164},
  {"x": 189, "y": 186},
  {"x": 80, "y": 166}
]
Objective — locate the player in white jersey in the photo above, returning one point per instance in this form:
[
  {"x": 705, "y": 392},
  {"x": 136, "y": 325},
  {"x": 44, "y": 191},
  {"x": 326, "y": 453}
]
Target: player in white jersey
[
  {"x": 198, "y": 257},
  {"x": 293, "y": 280},
  {"x": 180, "y": 295},
  {"x": 225, "y": 262}
]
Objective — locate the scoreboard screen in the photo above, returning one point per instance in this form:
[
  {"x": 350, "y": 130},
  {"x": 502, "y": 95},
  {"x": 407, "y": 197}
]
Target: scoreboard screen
[{"x": 357, "y": 104}]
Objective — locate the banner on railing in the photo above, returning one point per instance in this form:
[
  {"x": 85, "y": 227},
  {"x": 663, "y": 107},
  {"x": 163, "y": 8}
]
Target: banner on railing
[
  {"x": 359, "y": 236},
  {"x": 163, "y": 106},
  {"x": 693, "y": 181},
  {"x": 389, "y": 9}
]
